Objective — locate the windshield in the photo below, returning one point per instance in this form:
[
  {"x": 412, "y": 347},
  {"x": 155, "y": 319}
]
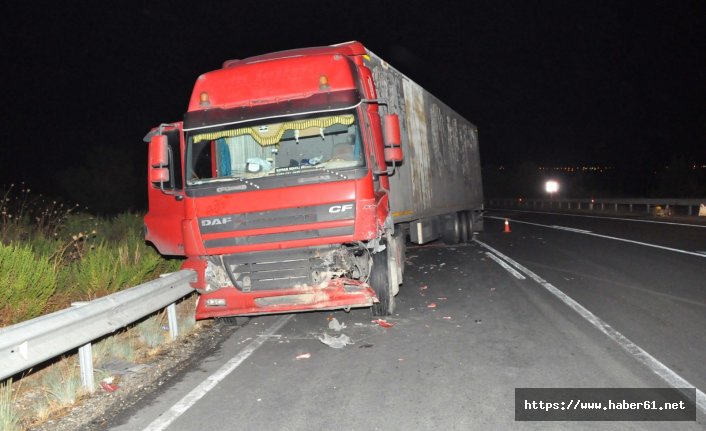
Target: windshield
[{"x": 273, "y": 148}]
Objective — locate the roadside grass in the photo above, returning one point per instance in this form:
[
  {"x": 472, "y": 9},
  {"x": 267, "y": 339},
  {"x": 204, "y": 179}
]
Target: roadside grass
[
  {"x": 9, "y": 415},
  {"x": 49, "y": 392},
  {"x": 62, "y": 383},
  {"x": 53, "y": 254},
  {"x": 27, "y": 281}
]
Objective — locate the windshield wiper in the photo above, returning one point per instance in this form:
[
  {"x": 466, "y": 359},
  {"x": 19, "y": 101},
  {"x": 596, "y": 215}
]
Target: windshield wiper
[{"x": 223, "y": 180}]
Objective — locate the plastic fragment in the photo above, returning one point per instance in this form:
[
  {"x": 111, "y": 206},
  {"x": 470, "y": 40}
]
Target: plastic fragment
[
  {"x": 335, "y": 325},
  {"x": 447, "y": 317},
  {"x": 442, "y": 298},
  {"x": 432, "y": 305},
  {"x": 384, "y": 323},
  {"x": 108, "y": 386},
  {"x": 303, "y": 356},
  {"x": 423, "y": 287},
  {"x": 336, "y": 342}
]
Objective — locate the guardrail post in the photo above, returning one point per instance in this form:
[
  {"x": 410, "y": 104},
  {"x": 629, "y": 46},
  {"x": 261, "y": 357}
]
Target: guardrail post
[
  {"x": 616, "y": 207},
  {"x": 85, "y": 359},
  {"x": 689, "y": 210},
  {"x": 172, "y": 318},
  {"x": 648, "y": 208}
]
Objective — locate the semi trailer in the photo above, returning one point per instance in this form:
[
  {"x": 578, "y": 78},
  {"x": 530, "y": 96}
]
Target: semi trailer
[{"x": 296, "y": 178}]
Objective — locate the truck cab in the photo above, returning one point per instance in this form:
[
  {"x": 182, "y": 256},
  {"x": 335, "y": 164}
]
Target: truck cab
[{"x": 275, "y": 186}]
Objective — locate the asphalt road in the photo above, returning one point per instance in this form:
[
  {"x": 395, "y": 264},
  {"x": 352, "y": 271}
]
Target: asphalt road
[{"x": 456, "y": 365}]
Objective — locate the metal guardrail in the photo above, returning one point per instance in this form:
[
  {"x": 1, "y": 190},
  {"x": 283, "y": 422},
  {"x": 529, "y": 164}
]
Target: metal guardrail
[
  {"x": 32, "y": 342},
  {"x": 663, "y": 206}
]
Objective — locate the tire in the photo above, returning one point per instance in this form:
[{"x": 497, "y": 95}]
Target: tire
[
  {"x": 464, "y": 227},
  {"x": 380, "y": 282},
  {"x": 451, "y": 232},
  {"x": 233, "y": 320}
]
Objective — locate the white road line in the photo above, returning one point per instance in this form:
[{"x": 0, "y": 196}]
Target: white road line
[
  {"x": 646, "y": 244},
  {"x": 507, "y": 267},
  {"x": 673, "y": 379},
  {"x": 602, "y": 217},
  {"x": 211, "y": 381},
  {"x": 570, "y": 229}
]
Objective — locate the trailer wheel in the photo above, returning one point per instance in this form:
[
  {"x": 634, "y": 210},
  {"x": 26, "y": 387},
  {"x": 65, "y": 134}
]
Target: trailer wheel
[
  {"x": 451, "y": 231},
  {"x": 464, "y": 227},
  {"x": 380, "y": 281}
]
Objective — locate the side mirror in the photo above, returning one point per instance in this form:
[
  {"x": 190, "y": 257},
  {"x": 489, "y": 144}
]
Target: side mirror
[
  {"x": 393, "y": 150},
  {"x": 159, "y": 151},
  {"x": 159, "y": 160},
  {"x": 159, "y": 175}
]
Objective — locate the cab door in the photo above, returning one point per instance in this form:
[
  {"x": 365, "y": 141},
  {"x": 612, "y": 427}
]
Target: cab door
[{"x": 166, "y": 198}]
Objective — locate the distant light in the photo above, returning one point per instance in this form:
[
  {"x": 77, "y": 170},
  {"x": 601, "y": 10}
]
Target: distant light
[{"x": 551, "y": 186}]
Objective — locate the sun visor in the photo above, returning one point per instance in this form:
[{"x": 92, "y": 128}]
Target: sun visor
[{"x": 319, "y": 102}]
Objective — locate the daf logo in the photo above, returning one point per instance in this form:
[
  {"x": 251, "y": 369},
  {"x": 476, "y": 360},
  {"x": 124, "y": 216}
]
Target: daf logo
[
  {"x": 340, "y": 208},
  {"x": 216, "y": 221}
]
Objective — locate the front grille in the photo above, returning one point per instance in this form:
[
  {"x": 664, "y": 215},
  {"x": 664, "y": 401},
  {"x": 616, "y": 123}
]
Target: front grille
[
  {"x": 279, "y": 269},
  {"x": 275, "y": 218},
  {"x": 278, "y": 237},
  {"x": 237, "y": 223}
]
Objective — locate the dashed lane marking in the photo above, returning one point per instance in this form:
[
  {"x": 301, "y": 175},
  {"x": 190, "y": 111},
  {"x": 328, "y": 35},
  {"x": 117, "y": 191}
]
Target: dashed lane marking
[
  {"x": 641, "y": 355},
  {"x": 615, "y": 238}
]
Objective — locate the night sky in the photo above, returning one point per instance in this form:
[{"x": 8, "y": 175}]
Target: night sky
[{"x": 552, "y": 82}]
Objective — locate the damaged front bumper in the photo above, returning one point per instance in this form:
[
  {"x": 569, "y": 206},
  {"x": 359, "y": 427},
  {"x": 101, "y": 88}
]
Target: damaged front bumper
[{"x": 334, "y": 294}]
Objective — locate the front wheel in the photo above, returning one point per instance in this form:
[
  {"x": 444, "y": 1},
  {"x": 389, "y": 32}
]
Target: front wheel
[{"x": 380, "y": 281}]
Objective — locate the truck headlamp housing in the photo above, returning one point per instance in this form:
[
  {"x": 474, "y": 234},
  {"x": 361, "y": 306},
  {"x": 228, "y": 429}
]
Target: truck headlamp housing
[{"x": 216, "y": 277}]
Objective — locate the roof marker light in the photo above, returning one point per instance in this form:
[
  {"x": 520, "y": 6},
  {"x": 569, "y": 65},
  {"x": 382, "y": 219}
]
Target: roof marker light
[
  {"x": 204, "y": 99},
  {"x": 323, "y": 82}
]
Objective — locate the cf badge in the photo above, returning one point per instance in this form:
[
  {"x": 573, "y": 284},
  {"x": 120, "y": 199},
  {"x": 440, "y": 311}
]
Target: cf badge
[{"x": 340, "y": 208}]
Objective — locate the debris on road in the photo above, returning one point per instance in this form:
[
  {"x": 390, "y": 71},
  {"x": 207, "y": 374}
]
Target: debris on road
[
  {"x": 109, "y": 384},
  {"x": 442, "y": 298},
  {"x": 365, "y": 346},
  {"x": 432, "y": 305},
  {"x": 384, "y": 323},
  {"x": 335, "y": 325},
  {"x": 303, "y": 356},
  {"x": 336, "y": 342},
  {"x": 479, "y": 321},
  {"x": 447, "y": 317}
]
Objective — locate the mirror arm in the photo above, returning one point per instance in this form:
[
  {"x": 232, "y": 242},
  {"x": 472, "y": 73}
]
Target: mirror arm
[
  {"x": 170, "y": 155},
  {"x": 379, "y": 102}
]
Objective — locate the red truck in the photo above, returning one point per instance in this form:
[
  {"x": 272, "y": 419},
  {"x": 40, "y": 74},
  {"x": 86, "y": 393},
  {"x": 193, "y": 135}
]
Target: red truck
[{"x": 286, "y": 188}]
